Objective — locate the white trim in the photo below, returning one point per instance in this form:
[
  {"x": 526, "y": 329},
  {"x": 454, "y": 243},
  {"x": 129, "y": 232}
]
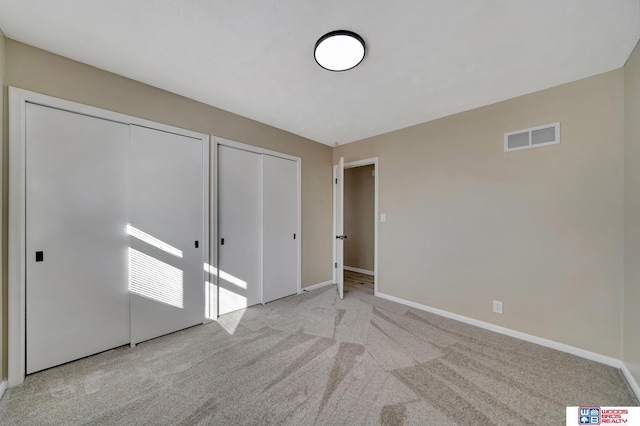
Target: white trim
[
  {"x": 368, "y": 161},
  {"x": 3, "y": 387},
  {"x": 631, "y": 380},
  {"x": 360, "y": 163},
  {"x": 261, "y": 236},
  {"x": 213, "y": 229},
  {"x": 253, "y": 148},
  {"x": 16, "y": 255},
  {"x": 582, "y": 353},
  {"x": 319, "y": 285},
  {"x": 18, "y": 99},
  {"x": 358, "y": 270},
  {"x": 206, "y": 146}
]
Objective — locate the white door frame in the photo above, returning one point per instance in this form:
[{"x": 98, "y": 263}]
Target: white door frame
[
  {"x": 18, "y": 99},
  {"x": 366, "y": 162},
  {"x": 218, "y": 141}
]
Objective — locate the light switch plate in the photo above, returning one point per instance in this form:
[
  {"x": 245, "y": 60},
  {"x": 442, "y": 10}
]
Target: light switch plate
[{"x": 383, "y": 217}]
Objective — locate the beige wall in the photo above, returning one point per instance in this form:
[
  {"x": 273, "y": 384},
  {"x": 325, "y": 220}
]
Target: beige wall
[
  {"x": 631, "y": 339},
  {"x": 358, "y": 217},
  {"x": 539, "y": 229},
  {"x": 3, "y": 174},
  {"x": 43, "y": 72}
]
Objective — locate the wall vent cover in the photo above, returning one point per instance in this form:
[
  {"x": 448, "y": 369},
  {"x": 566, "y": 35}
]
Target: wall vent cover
[{"x": 549, "y": 134}]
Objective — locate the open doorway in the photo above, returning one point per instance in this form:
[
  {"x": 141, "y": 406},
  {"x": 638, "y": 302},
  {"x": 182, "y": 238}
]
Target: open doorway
[
  {"x": 356, "y": 225},
  {"x": 359, "y": 226}
]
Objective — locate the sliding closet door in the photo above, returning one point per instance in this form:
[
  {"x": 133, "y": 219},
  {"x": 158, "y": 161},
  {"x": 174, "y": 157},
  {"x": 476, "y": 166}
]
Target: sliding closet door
[
  {"x": 280, "y": 225},
  {"x": 166, "y": 253},
  {"x": 77, "y": 302},
  {"x": 239, "y": 216}
]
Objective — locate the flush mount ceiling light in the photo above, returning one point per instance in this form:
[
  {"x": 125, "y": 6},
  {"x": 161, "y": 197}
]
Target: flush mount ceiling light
[{"x": 339, "y": 50}]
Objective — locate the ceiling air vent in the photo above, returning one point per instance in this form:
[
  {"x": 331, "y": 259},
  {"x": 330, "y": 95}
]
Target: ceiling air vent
[{"x": 549, "y": 134}]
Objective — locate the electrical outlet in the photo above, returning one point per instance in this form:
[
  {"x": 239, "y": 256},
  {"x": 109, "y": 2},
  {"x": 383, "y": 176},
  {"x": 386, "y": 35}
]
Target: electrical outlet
[{"x": 497, "y": 306}]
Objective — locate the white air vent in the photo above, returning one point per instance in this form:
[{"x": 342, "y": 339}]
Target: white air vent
[{"x": 549, "y": 134}]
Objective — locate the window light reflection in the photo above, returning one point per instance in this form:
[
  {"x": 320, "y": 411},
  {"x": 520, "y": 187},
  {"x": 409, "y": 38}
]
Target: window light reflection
[{"x": 151, "y": 240}]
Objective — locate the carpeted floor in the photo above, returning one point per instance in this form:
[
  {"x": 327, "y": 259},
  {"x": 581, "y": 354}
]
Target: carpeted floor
[{"x": 312, "y": 359}]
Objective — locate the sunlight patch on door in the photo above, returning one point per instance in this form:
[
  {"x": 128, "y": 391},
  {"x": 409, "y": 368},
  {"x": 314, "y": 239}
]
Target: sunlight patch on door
[
  {"x": 225, "y": 276},
  {"x": 154, "y": 279},
  {"x": 151, "y": 240}
]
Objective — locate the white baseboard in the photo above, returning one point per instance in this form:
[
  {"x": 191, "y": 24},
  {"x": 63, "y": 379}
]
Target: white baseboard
[
  {"x": 358, "y": 270},
  {"x": 631, "y": 380},
  {"x": 319, "y": 285},
  {"x": 3, "y": 387},
  {"x": 582, "y": 353}
]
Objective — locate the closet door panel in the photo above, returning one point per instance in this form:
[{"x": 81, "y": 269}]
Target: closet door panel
[
  {"x": 77, "y": 302},
  {"x": 280, "y": 224},
  {"x": 239, "y": 224},
  {"x": 166, "y": 253}
]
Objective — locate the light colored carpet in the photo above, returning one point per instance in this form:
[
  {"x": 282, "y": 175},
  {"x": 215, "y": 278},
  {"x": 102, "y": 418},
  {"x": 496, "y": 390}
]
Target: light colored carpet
[{"x": 313, "y": 359}]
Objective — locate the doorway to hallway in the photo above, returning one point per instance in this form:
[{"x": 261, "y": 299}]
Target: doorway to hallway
[{"x": 356, "y": 225}]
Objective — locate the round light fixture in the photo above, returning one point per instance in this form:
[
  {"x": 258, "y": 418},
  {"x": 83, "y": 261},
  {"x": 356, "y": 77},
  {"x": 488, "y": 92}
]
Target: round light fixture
[{"x": 339, "y": 50}]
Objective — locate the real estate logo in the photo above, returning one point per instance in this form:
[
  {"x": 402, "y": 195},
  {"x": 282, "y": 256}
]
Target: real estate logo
[
  {"x": 589, "y": 416},
  {"x": 603, "y": 415}
]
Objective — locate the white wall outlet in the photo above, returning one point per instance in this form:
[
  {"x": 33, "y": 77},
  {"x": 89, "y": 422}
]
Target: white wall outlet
[
  {"x": 497, "y": 306},
  {"x": 383, "y": 217}
]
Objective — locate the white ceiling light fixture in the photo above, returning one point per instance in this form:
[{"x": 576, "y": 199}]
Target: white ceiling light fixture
[{"x": 339, "y": 50}]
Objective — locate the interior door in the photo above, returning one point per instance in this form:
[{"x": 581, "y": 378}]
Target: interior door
[
  {"x": 77, "y": 302},
  {"x": 340, "y": 237},
  {"x": 239, "y": 229},
  {"x": 280, "y": 227},
  {"x": 166, "y": 229}
]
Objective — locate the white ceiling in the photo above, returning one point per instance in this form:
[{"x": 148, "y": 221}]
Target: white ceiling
[{"x": 425, "y": 58}]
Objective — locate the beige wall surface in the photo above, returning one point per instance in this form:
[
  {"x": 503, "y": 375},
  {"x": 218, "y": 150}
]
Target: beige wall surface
[
  {"x": 359, "y": 187},
  {"x": 539, "y": 229},
  {"x": 3, "y": 229},
  {"x": 631, "y": 339},
  {"x": 43, "y": 72}
]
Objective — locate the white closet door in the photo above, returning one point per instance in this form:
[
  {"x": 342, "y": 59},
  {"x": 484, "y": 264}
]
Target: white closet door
[
  {"x": 166, "y": 265},
  {"x": 280, "y": 227},
  {"x": 77, "y": 302},
  {"x": 239, "y": 225}
]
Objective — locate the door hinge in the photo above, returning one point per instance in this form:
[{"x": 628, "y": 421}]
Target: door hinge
[
  {"x": 336, "y": 181},
  {"x": 336, "y": 265}
]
